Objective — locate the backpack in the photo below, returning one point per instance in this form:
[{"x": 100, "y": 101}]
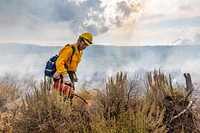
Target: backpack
[{"x": 50, "y": 67}]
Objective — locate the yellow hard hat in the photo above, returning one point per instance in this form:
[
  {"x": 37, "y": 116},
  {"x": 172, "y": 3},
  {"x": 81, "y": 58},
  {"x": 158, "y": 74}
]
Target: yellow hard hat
[{"x": 86, "y": 37}]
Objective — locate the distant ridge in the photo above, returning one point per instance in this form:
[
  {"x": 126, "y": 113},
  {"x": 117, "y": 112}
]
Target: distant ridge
[
  {"x": 189, "y": 51},
  {"x": 17, "y": 48}
]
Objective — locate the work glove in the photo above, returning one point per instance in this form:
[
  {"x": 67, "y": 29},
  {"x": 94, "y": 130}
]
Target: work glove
[
  {"x": 56, "y": 75},
  {"x": 75, "y": 77},
  {"x": 66, "y": 79}
]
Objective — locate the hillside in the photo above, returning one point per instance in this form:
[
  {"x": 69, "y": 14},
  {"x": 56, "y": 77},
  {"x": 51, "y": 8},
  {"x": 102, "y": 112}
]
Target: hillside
[
  {"x": 165, "y": 107},
  {"x": 119, "y": 107}
]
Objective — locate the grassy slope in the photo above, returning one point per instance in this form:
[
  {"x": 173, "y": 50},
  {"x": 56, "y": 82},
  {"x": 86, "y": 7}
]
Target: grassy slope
[{"x": 120, "y": 107}]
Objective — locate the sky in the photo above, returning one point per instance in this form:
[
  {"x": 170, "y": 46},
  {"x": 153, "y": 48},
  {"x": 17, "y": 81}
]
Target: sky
[{"x": 112, "y": 22}]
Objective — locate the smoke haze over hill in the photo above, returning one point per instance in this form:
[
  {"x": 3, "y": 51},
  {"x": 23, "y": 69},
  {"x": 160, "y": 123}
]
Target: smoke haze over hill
[{"x": 99, "y": 62}]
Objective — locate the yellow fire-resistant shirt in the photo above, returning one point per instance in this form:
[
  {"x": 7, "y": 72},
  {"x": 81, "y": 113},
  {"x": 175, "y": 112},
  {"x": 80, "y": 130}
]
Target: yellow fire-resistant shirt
[{"x": 65, "y": 55}]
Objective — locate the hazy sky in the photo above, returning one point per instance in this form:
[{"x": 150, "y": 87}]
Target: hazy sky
[{"x": 112, "y": 22}]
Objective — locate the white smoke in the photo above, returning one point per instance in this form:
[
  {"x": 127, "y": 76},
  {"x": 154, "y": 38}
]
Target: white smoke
[{"x": 100, "y": 62}]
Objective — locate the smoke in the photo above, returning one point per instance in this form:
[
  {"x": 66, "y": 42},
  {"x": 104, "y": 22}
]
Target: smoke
[
  {"x": 100, "y": 62},
  {"x": 104, "y": 62}
]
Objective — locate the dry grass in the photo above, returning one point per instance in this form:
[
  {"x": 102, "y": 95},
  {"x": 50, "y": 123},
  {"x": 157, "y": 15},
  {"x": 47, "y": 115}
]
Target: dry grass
[
  {"x": 48, "y": 112},
  {"x": 119, "y": 107},
  {"x": 9, "y": 100},
  {"x": 178, "y": 115},
  {"x": 114, "y": 114}
]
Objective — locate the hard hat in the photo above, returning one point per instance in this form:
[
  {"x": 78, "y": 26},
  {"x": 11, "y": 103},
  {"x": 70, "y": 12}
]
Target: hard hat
[{"x": 86, "y": 37}]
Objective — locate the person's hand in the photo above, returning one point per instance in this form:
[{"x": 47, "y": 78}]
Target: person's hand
[
  {"x": 56, "y": 75},
  {"x": 66, "y": 79}
]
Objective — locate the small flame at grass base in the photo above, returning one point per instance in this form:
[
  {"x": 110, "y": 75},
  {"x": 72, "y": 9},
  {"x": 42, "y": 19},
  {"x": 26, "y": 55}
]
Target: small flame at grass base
[{"x": 89, "y": 102}]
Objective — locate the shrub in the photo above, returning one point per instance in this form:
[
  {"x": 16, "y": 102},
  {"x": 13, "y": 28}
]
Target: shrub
[
  {"x": 120, "y": 107},
  {"x": 9, "y": 92},
  {"x": 170, "y": 102},
  {"x": 9, "y": 99},
  {"x": 119, "y": 110},
  {"x": 48, "y": 112}
]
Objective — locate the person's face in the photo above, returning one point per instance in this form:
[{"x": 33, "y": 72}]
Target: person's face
[{"x": 82, "y": 45}]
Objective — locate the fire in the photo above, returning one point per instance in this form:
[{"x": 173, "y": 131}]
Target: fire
[{"x": 90, "y": 102}]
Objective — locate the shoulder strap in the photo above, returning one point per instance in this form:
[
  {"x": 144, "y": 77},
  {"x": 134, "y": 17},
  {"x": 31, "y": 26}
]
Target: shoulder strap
[
  {"x": 73, "y": 51},
  {"x": 73, "y": 48}
]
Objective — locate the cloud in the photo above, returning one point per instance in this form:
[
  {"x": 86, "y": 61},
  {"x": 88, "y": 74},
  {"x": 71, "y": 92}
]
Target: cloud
[
  {"x": 99, "y": 16},
  {"x": 176, "y": 9},
  {"x": 35, "y": 19},
  {"x": 188, "y": 41},
  {"x": 114, "y": 22}
]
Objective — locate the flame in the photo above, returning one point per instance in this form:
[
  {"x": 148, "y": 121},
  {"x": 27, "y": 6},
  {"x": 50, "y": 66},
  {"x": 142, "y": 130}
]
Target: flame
[{"x": 90, "y": 102}]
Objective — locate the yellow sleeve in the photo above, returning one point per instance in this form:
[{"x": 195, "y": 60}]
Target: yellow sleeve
[{"x": 64, "y": 54}]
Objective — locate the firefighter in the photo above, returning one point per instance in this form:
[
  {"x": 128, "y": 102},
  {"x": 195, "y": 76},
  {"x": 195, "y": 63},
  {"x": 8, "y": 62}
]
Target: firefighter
[{"x": 67, "y": 63}]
